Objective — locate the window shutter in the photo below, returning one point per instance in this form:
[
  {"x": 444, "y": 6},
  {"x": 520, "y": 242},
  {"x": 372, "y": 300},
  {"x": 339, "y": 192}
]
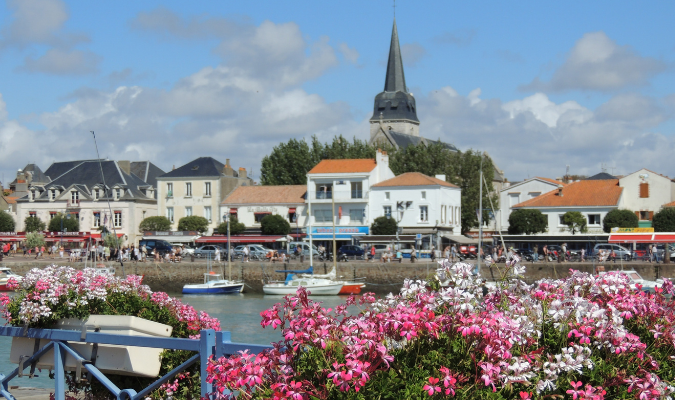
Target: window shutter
[
  {"x": 644, "y": 190},
  {"x": 637, "y": 214},
  {"x": 651, "y": 215}
]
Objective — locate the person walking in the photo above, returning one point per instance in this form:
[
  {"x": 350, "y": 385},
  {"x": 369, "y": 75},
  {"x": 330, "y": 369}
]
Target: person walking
[
  {"x": 433, "y": 253},
  {"x": 372, "y": 253},
  {"x": 144, "y": 252},
  {"x": 453, "y": 253},
  {"x": 650, "y": 252},
  {"x": 217, "y": 257},
  {"x": 413, "y": 254},
  {"x": 535, "y": 253},
  {"x": 246, "y": 253},
  {"x": 582, "y": 258}
]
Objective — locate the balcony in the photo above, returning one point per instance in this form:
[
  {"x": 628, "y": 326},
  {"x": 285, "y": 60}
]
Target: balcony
[
  {"x": 340, "y": 196},
  {"x": 73, "y": 204}
]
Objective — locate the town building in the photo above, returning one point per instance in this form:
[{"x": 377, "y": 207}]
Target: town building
[
  {"x": 76, "y": 188},
  {"x": 198, "y": 188},
  {"x": 421, "y": 204},
  {"x": 645, "y": 192},
  {"x": 338, "y": 193},
  {"x": 519, "y": 192}
]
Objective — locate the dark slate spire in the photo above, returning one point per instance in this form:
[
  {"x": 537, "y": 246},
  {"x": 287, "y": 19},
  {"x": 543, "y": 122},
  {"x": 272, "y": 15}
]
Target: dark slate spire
[
  {"x": 395, "y": 103},
  {"x": 395, "y": 79}
]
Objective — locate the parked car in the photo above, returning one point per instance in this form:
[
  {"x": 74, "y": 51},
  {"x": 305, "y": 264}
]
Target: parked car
[
  {"x": 253, "y": 249},
  {"x": 210, "y": 249},
  {"x": 351, "y": 250},
  {"x": 305, "y": 248},
  {"x": 152, "y": 245},
  {"x": 620, "y": 251},
  {"x": 660, "y": 252},
  {"x": 187, "y": 250}
]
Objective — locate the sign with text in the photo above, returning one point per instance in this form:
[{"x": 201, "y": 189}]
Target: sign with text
[
  {"x": 170, "y": 233},
  {"x": 632, "y": 230},
  {"x": 340, "y": 230}
]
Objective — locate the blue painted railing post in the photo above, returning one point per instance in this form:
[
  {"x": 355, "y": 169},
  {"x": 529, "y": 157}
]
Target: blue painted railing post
[
  {"x": 222, "y": 337},
  {"x": 59, "y": 373},
  {"x": 207, "y": 344}
]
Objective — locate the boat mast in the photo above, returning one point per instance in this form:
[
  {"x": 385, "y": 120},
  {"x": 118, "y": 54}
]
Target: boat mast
[
  {"x": 480, "y": 215},
  {"x": 334, "y": 246},
  {"x": 229, "y": 259}
]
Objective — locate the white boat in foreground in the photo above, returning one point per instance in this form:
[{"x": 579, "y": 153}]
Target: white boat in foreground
[
  {"x": 316, "y": 286},
  {"x": 214, "y": 284},
  {"x": 5, "y": 275},
  {"x": 636, "y": 279}
]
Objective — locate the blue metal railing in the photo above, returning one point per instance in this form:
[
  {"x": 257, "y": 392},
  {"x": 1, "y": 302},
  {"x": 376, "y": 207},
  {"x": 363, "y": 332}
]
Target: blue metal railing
[{"x": 210, "y": 344}]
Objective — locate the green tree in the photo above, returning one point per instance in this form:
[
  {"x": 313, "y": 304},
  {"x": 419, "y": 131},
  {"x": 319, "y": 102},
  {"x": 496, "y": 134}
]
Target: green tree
[
  {"x": 158, "y": 223},
  {"x": 466, "y": 167},
  {"x": 69, "y": 224},
  {"x": 664, "y": 220},
  {"x": 111, "y": 240},
  {"x": 35, "y": 239},
  {"x": 236, "y": 227},
  {"x": 619, "y": 219},
  {"x": 33, "y": 224},
  {"x": 6, "y": 222},
  {"x": 430, "y": 160},
  {"x": 383, "y": 226},
  {"x": 274, "y": 225},
  {"x": 575, "y": 221},
  {"x": 527, "y": 221},
  {"x": 193, "y": 223}
]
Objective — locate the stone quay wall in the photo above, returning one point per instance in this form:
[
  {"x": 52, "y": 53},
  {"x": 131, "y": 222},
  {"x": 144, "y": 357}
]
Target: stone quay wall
[{"x": 380, "y": 278}]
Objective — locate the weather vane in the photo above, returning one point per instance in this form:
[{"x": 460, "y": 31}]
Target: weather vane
[{"x": 394, "y": 9}]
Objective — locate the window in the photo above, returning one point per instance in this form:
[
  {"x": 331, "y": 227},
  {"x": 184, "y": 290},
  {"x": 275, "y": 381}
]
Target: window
[
  {"x": 207, "y": 213},
  {"x": 424, "y": 213},
  {"x": 95, "y": 194},
  {"x": 387, "y": 211},
  {"x": 646, "y": 215},
  {"x": 534, "y": 194},
  {"x": 594, "y": 219},
  {"x": 207, "y": 189},
  {"x": 32, "y": 214},
  {"x": 324, "y": 190},
  {"x": 188, "y": 211},
  {"x": 323, "y": 216},
  {"x": 514, "y": 198},
  {"x": 169, "y": 190},
  {"x": 386, "y": 195},
  {"x": 169, "y": 214},
  {"x": 424, "y": 195},
  {"x": 118, "y": 219},
  {"x": 75, "y": 196},
  {"x": 560, "y": 219},
  {"x": 356, "y": 215},
  {"x": 188, "y": 189},
  {"x": 644, "y": 190},
  {"x": 357, "y": 190},
  {"x": 259, "y": 216},
  {"x": 52, "y": 214},
  {"x": 97, "y": 219},
  {"x": 118, "y": 194},
  {"x": 52, "y": 194}
]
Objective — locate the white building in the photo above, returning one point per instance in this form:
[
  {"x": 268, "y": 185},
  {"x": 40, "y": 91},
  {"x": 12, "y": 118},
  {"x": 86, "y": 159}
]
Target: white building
[
  {"x": 420, "y": 204},
  {"x": 645, "y": 192},
  {"x": 250, "y": 204},
  {"x": 337, "y": 192},
  {"x": 76, "y": 188},
  {"x": 198, "y": 188},
  {"x": 520, "y": 192}
]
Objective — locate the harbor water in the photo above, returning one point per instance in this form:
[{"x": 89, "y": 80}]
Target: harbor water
[{"x": 238, "y": 313}]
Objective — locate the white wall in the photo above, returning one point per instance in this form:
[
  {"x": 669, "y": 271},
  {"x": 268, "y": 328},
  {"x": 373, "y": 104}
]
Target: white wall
[
  {"x": 439, "y": 200},
  {"x": 554, "y": 214},
  {"x": 198, "y": 201},
  {"x": 518, "y": 193},
  {"x": 246, "y": 212},
  {"x": 660, "y": 191}
]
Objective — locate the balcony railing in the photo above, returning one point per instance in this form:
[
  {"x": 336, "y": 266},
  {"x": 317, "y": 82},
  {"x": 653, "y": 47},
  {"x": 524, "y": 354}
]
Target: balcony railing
[
  {"x": 357, "y": 194},
  {"x": 73, "y": 204},
  {"x": 340, "y": 195}
]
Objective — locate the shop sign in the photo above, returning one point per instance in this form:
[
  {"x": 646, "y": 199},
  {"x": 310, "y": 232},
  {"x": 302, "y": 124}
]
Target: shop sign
[
  {"x": 632, "y": 230},
  {"x": 272, "y": 210},
  {"x": 351, "y": 230},
  {"x": 59, "y": 234},
  {"x": 170, "y": 233},
  {"x": 474, "y": 235}
]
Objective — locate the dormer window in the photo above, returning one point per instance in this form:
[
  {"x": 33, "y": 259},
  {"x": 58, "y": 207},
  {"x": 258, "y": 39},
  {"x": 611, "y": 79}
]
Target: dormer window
[
  {"x": 52, "y": 194},
  {"x": 118, "y": 194},
  {"x": 95, "y": 194},
  {"x": 74, "y": 196}
]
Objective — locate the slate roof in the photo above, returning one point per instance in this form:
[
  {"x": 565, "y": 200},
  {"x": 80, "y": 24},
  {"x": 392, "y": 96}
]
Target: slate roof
[
  {"x": 38, "y": 175},
  {"x": 584, "y": 193},
  {"x": 147, "y": 171},
  {"x": 601, "y": 176},
  {"x": 344, "y": 166},
  {"x": 287, "y": 194},
  {"x": 202, "y": 166},
  {"x": 414, "y": 179}
]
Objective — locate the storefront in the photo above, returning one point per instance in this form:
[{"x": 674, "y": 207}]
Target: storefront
[
  {"x": 172, "y": 236},
  {"x": 12, "y": 237}
]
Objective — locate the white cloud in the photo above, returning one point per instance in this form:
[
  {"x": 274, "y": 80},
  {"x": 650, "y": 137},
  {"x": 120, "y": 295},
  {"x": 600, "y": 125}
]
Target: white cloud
[
  {"x": 459, "y": 37},
  {"x": 412, "y": 53},
  {"x": 63, "y": 62},
  {"x": 350, "y": 54},
  {"x": 35, "y": 21},
  {"x": 596, "y": 62},
  {"x": 545, "y": 110}
]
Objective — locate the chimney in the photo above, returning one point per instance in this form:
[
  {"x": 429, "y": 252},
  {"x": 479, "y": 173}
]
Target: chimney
[
  {"x": 227, "y": 162},
  {"x": 242, "y": 173},
  {"x": 21, "y": 184},
  {"x": 125, "y": 166},
  {"x": 382, "y": 158},
  {"x": 560, "y": 189},
  {"x": 441, "y": 177}
]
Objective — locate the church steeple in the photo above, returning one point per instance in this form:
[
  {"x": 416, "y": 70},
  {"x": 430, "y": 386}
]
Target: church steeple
[
  {"x": 394, "y": 109},
  {"x": 395, "y": 79}
]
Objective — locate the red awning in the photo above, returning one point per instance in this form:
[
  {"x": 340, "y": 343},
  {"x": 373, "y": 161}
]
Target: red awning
[
  {"x": 291, "y": 210},
  {"x": 66, "y": 239},
  {"x": 233, "y": 210},
  {"x": 98, "y": 235},
  {"x": 12, "y": 238},
  {"x": 238, "y": 239},
  {"x": 667, "y": 237},
  {"x": 631, "y": 237}
]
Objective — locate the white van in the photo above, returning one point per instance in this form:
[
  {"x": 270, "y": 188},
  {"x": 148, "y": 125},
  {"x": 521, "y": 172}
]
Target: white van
[{"x": 305, "y": 248}]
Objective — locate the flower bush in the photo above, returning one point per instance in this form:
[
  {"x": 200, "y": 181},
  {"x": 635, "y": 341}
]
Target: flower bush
[
  {"x": 46, "y": 295},
  {"x": 583, "y": 337}
]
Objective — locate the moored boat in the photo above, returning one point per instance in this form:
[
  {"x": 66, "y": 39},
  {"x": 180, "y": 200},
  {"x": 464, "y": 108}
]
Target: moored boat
[
  {"x": 214, "y": 284},
  {"x": 316, "y": 286},
  {"x": 5, "y": 275},
  {"x": 348, "y": 287}
]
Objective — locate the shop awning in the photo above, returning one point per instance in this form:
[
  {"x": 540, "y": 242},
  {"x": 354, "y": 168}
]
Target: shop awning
[
  {"x": 233, "y": 210},
  {"x": 662, "y": 237},
  {"x": 12, "y": 238},
  {"x": 459, "y": 239},
  {"x": 174, "y": 239},
  {"x": 239, "y": 239},
  {"x": 291, "y": 210},
  {"x": 67, "y": 239},
  {"x": 98, "y": 235}
]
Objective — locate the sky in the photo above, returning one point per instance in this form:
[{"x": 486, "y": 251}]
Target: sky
[{"x": 539, "y": 86}]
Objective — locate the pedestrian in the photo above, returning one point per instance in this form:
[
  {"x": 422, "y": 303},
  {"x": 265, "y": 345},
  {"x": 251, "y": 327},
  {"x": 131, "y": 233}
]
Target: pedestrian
[
  {"x": 246, "y": 254},
  {"x": 61, "y": 251},
  {"x": 433, "y": 253},
  {"x": 453, "y": 253},
  {"x": 372, "y": 253},
  {"x": 217, "y": 254},
  {"x": 583, "y": 255},
  {"x": 564, "y": 251},
  {"x": 413, "y": 254},
  {"x": 106, "y": 253},
  {"x": 535, "y": 253},
  {"x": 144, "y": 252},
  {"x": 650, "y": 252}
]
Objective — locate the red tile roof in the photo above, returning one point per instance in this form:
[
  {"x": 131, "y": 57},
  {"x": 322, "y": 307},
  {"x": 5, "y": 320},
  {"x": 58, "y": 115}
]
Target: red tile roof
[
  {"x": 413, "y": 179},
  {"x": 671, "y": 204},
  {"x": 551, "y": 180},
  {"x": 344, "y": 166},
  {"x": 287, "y": 194},
  {"x": 10, "y": 200},
  {"x": 579, "y": 194}
]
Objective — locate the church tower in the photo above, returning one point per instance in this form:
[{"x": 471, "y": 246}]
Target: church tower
[{"x": 395, "y": 108}]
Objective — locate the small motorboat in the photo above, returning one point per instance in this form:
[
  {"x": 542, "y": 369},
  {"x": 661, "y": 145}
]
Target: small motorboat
[
  {"x": 315, "y": 286},
  {"x": 5, "y": 275},
  {"x": 348, "y": 287},
  {"x": 214, "y": 284}
]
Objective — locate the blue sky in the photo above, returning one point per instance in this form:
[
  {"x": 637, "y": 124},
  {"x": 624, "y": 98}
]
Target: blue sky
[{"x": 538, "y": 85}]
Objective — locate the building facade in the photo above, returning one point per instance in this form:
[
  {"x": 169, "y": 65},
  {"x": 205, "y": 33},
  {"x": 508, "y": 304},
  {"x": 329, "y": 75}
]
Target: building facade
[
  {"x": 520, "y": 192},
  {"x": 645, "y": 192},
  {"x": 198, "y": 188},
  {"x": 250, "y": 204}
]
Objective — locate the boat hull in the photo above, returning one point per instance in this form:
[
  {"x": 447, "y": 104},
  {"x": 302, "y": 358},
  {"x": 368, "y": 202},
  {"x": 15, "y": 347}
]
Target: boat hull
[
  {"x": 3, "y": 288},
  {"x": 320, "y": 290},
  {"x": 204, "y": 289},
  {"x": 351, "y": 288}
]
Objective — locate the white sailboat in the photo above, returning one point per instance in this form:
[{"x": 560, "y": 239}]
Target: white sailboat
[
  {"x": 214, "y": 284},
  {"x": 316, "y": 286}
]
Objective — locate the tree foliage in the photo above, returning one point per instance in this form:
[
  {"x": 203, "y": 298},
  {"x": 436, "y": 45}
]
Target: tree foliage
[
  {"x": 619, "y": 219},
  {"x": 6, "y": 222},
  {"x": 71, "y": 224},
  {"x": 236, "y": 227},
  {"x": 275, "y": 225},
  {"x": 158, "y": 223},
  {"x": 383, "y": 226},
  {"x": 664, "y": 220},
  {"x": 33, "y": 224},
  {"x": 575, "y": 221},
  {"x": 526, "y": 221},
  {"x": 193, "y": 223},
  {"x": 35, "y": 239}
]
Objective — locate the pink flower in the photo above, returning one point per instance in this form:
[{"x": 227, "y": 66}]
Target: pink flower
[{"x": 432, "y": 388}]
